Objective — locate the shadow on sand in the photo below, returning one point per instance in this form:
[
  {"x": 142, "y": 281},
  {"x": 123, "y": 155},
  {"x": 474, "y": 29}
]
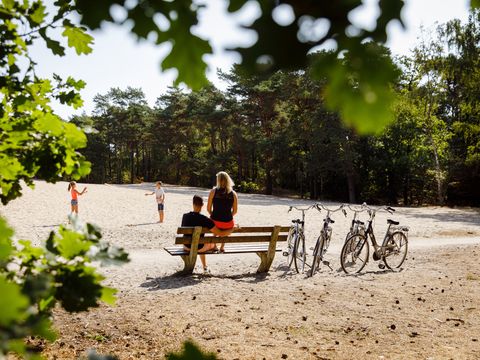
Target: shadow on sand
[
  {"x": 142, "y": 224},
  {"x": 48, "y": 226},
  {"x": 180, "y": 280},
  {"x": 373, "y": 272},
  {"x": 469, "y": 216}
]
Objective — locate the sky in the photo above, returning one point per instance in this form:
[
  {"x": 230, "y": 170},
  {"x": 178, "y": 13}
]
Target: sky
[{"x": 119, "y": 60}]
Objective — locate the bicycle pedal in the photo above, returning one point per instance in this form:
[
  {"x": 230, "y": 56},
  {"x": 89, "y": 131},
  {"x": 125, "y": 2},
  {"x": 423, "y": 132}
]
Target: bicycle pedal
[
  {"x": 285, "y": 253},
  {"x": 325, "y": 262},
  {"x": 381, "y": 266}
]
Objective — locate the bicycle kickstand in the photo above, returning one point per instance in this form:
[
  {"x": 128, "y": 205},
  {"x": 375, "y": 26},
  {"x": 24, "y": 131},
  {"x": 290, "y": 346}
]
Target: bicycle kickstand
[{"x": 327, "y": 263}]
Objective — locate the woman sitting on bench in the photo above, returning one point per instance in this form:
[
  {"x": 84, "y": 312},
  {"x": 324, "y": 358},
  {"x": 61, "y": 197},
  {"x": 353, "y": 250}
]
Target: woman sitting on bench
[
  {"x": 195, "y": 218},
  {"x": 223, "y": 203}
]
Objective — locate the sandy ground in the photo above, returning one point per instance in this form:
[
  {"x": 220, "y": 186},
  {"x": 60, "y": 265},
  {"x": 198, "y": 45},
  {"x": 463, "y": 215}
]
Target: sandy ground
[{"x": 429, "y": 310}]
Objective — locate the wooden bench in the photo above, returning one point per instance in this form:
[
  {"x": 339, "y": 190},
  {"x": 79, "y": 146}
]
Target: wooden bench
[{"x": 261, "y": 240}]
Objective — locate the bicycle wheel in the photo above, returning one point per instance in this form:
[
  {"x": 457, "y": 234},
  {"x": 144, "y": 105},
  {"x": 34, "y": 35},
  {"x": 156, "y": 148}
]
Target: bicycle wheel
[
  {"x": 354, "y": 255},
  {"x": 317, "y": 255},
  {"x": 349, "y": 234},
  {"x": 292, "y": 239},
  {"x": 395, "y": 249},
  {"x": 300, "y": 254}
]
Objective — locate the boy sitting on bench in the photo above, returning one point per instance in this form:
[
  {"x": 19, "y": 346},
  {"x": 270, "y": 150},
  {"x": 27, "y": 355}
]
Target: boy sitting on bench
[{"x": 195, "y": 218}]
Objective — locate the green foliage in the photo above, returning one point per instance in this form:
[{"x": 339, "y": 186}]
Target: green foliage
[
  {"x": 33, "y": 279},
  {"x": 367, "y": 106},
  {"x": 277, "y": 47},
  {"x": 78, "y": 39},
  {"x": 247, "y": 187},
  {"x": 36, "y": 143},
  {"x": 12, "y": 302},
  {"x": 5, "y": 242},
  {"x": 357, "y": 86},
  {"x": 187, "y": 49},
  {"x": 191, "y": 351}
]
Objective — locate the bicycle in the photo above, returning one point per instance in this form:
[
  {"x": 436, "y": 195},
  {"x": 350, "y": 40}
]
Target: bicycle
[
  {"x": 356, "y": 226},
  {"x": 296, "y": 241},
  {"x": 323, "y": 240},
  {"x": 392, "y": 252}
]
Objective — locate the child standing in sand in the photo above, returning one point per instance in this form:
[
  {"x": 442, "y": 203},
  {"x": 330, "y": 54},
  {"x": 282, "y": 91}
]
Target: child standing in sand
[
  {"x": 74, "y": 193},
  {"x": 160, "y": 197}
]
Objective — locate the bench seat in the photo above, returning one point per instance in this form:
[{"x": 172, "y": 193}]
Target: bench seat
[{"x": 229, "y": 249}]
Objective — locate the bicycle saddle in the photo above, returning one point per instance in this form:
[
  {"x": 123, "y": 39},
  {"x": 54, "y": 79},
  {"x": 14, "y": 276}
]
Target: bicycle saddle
[
  {"x": 330, "y": 221},
  {"x": 391, "y": 222},
  {"x": 359, "y": 222},
  {"x": 298, "y": 221}
]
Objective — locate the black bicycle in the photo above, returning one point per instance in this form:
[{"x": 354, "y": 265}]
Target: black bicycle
[
  {"x": 323, "y": 240},
  {"x": 392, "y": 252},
  {"x": 296, "y": 241}
]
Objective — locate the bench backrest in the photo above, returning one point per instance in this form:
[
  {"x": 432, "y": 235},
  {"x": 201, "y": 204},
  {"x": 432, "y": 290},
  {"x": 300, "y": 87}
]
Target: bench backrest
[{"x": 239, "y": 235}]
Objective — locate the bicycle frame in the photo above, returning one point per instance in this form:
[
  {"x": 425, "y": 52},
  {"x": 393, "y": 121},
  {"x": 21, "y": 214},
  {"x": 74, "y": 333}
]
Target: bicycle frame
[
  {"x": 355, "y": 222},
  {"x": 300, "y": 224},
  {"x": 328, "y": 220},
  {"x": 369, "y": 233}
]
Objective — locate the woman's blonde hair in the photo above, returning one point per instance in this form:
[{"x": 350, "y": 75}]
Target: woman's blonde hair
[{"x": 226, "y": 180}]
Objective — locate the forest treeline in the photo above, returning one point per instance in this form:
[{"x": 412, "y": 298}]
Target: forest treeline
[{"x": 276, "y": 132}]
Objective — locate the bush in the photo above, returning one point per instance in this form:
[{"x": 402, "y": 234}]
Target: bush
[{"x": 248, "y": 187}]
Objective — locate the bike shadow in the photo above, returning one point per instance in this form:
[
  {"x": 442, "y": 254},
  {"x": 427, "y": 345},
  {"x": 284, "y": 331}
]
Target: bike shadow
[{"x": 373, "y": 272}]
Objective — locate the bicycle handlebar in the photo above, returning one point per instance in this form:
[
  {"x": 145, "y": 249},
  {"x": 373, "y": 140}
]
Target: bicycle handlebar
[
  {"x": 362, "y": 209},
  {"x": 300, "y": 209},
  {"x": 388, "y": 209},
  {"x": 319, "y": 206}
]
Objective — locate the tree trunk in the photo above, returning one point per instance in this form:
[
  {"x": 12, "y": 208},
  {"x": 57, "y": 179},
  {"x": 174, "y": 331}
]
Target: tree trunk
[
  {"x": 132, "y": 165},
  {"x": 406, "y": 190},
  {"x": 350, "y": 173},
  {"x": 268, "y": 179},
  {"x": 438, "y": 169},
  {"x": 351, "y": 188},
  {"x": 438, "y": 177}
]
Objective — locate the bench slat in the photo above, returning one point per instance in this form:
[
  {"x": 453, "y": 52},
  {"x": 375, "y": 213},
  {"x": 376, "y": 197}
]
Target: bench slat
[
  {"x": 232, "y": 246},
  {"x": 247, "y": 229},
  {"x": 178, "y": 251},
  {"x": 229, "y": 239}
]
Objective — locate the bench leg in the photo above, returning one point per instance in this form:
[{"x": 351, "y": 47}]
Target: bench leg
[
  {"x": 191, "y": 258},
  {"x": 189, "y": 264},
  {"x": 264, "y": 262},
  {"x": 267, "y": 258}
]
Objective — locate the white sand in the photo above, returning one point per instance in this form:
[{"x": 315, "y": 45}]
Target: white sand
[{"x": 247, "y": 316}]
